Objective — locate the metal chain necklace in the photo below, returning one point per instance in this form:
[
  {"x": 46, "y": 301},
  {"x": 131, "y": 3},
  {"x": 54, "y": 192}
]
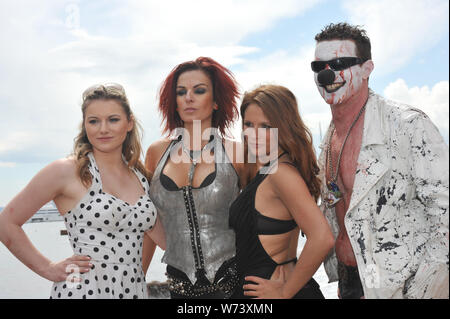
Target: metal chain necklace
[
  {"x": 195, "y": 156},
  {"x": 334, "y": 194}
]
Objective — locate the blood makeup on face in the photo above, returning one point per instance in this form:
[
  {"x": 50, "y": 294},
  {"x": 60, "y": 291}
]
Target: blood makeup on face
[{"x": 347, "y": 82}]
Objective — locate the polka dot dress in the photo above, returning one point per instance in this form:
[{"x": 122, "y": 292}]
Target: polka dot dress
[{"x": 111, "y": 232}]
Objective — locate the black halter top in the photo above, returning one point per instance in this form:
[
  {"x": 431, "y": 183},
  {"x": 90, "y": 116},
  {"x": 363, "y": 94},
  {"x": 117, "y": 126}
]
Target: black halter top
[{"x": 251, "y": 257}]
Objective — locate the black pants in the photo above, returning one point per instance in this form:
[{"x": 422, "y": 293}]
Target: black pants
[
  {"x": 350, "y": 286},
  {"x": 309, "y": 291}
]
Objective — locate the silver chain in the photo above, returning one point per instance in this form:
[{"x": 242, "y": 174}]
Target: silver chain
[
  {"x": 330, "y": 162},
  {"x": 193, "y": 158}
]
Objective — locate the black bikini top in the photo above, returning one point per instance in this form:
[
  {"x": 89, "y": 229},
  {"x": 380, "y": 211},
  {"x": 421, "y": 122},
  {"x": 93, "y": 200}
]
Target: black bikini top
[
  {"x": 267, "y": 225},
  {"x": 248, "y": 223},
  {"x": 170, "y": 185},
  {"x": 270, "y": 226}
]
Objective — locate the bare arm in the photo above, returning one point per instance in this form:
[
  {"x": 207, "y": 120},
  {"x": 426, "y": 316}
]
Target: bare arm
[
  {"x": 154, "y": 154},
  {"x": 156, "y": 235},
  {"x": 44, "y": 187},
  {"x": 148, "y": 249},
  {"x": 295, "y": 195}
]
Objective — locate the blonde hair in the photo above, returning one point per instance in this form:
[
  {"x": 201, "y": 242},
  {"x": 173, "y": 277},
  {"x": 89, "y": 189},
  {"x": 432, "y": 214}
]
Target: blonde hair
[
  {"x": 131, "y": 147},
  {"x": 280, "y": 107}
]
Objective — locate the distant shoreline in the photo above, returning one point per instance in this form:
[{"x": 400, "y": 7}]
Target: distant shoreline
[{"x": 45, "y": 214}]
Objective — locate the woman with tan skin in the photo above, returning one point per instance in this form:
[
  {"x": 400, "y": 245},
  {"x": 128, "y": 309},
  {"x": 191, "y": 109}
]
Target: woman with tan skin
[
  {"x": 196, "y": 177},
  {"x": 102, "y": 193},
  {"x": 278, "y": 202}
]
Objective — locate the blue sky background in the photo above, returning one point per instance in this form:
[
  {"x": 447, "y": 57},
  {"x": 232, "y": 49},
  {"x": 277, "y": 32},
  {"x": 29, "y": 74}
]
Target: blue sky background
[{"x": 52, "y": 50}]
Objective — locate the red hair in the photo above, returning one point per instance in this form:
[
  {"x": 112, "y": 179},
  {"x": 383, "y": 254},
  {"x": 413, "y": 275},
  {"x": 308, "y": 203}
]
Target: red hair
[{"x": 224, "y": 87}]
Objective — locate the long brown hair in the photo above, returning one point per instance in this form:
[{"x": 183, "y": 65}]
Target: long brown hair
[
  {"x": 280, "y": 107},
  {"x": 131, "y": 147}
]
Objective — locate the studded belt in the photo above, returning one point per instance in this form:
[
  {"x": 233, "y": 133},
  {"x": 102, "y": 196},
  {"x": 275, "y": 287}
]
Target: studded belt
[{"x": 224, "y": 284}]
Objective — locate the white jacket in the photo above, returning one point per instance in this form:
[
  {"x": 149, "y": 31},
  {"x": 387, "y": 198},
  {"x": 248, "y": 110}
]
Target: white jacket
[{"x": 398, "y": 217}]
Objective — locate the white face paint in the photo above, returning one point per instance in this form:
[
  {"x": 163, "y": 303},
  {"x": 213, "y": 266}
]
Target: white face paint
[{"x": 348, "y": 81}]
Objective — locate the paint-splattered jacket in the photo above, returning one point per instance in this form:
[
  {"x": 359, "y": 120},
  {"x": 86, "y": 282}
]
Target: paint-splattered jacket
[{"x": 398, "y": 217}]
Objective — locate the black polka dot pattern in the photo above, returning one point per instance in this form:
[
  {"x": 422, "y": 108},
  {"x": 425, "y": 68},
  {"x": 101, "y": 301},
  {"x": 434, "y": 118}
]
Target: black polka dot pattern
[{"x": 111, "y": 232}]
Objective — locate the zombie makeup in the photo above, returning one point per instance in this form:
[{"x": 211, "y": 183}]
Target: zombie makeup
[{"x": 337, "y": 70}]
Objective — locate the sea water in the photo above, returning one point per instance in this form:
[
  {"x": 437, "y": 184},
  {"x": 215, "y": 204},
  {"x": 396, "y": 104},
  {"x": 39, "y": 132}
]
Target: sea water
[{"x": 19, "y": 282}]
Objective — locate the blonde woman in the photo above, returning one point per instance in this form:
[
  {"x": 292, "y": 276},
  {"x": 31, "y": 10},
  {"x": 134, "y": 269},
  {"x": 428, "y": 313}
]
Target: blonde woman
[{"x": 102, "y": 193}]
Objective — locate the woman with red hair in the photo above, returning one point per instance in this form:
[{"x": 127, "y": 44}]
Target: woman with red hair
[{"x": 194, "y": 181}]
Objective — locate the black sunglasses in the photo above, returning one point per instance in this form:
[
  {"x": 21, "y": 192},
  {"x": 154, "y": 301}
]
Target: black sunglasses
[{"x": 337, "y": 64}]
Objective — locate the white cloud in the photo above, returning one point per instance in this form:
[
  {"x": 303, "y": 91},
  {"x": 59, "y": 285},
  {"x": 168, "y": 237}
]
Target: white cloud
[
  {"x": 433, "y": 101},
  {"x": 399, "y": 29},
  {"x": 207, "y": 22},
  {"x": 292, "y": 71},
  {"x": 7, "y": 164},
  {"x": 52, "y": 57},
  {"x": 49, "y": 57}
]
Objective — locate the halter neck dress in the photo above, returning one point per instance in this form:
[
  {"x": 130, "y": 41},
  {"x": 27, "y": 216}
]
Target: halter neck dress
[
  {"x": 111, "y": 232},
  {"x": 251, "y": 257}
]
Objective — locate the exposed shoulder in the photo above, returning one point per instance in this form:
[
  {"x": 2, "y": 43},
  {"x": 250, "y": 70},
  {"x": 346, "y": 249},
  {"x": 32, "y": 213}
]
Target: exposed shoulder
[
  {"x": 288, "y": 184},
  {"x": 155, "y": 152},
  {"x": 162, "y": 143},
  {"x": 285, "y": 175},
  {"x": 55, "y": 176},
  {"x": 62, "y": 168}
]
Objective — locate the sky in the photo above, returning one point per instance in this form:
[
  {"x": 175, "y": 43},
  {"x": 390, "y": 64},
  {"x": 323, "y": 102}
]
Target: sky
[{"x": 53, "y": 49}]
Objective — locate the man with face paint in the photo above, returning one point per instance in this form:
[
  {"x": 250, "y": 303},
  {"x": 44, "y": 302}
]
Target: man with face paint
[{"x": 385, "y": 180}]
